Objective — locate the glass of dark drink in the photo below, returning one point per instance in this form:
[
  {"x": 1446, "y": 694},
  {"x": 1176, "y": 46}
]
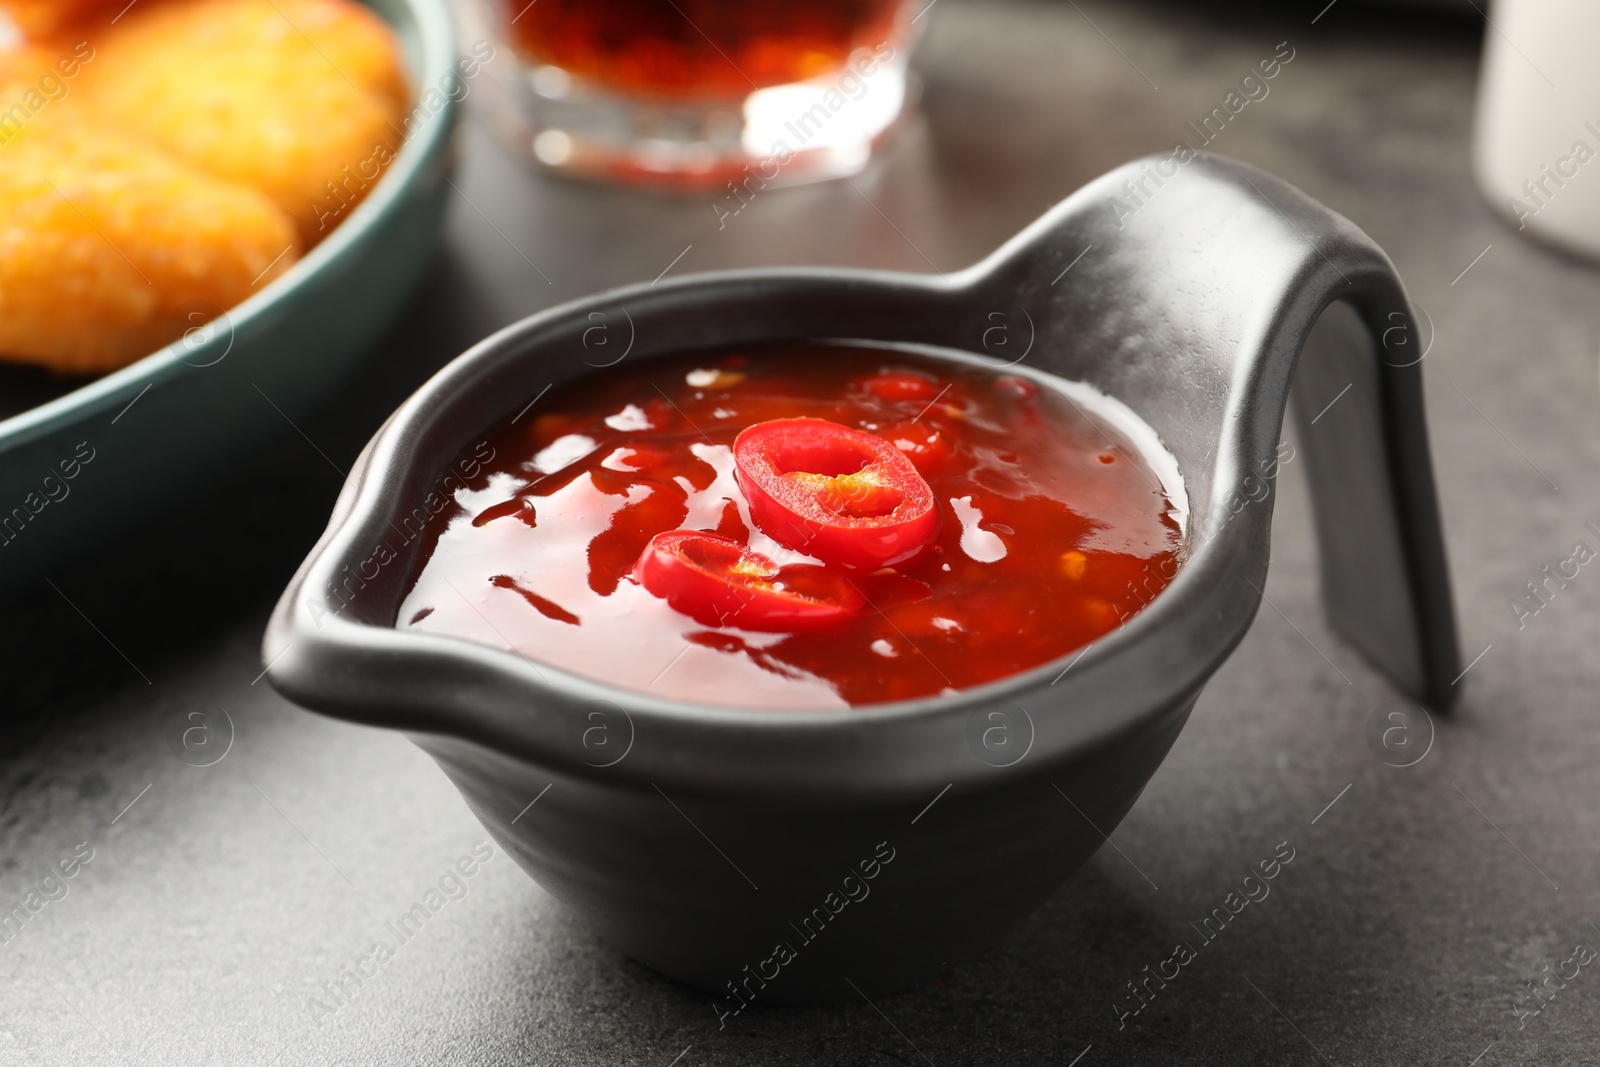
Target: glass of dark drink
[{"x": 699, "y": 93}]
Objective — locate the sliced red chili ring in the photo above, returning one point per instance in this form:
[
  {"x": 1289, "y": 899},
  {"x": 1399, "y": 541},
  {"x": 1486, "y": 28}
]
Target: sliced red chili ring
[
  {"x": 842, "y": 495},
  {"x": 719, "y": 582}
]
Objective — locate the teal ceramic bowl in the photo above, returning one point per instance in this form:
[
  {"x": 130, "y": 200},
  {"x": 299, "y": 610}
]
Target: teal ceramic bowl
[{"x": 81, "y": 468}]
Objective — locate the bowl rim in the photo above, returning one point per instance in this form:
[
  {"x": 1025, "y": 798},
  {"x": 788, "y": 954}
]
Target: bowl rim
[{"x": 434, "y": 33}]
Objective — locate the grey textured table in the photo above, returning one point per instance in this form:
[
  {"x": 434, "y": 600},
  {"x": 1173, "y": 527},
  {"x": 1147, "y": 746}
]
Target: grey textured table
[{"x": 223, "y": 903}]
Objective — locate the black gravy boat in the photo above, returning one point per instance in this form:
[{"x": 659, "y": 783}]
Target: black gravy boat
[{"x": 788, "y": 856}]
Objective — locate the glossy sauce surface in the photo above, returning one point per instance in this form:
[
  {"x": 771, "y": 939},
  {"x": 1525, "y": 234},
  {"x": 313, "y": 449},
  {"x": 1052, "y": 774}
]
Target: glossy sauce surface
[{"x": 1055, "y": 526}]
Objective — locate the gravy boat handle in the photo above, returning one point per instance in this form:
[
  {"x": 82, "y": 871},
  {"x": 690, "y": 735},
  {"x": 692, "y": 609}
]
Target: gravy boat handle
[{"x": 1210, "y": 296}]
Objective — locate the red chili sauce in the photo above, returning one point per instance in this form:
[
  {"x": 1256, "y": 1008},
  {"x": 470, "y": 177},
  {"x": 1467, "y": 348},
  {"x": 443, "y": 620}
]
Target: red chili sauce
[{"x": 803, "y": 526}]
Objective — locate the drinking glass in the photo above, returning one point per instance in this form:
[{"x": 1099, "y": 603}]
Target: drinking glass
[{"x": 699, "y": 93}]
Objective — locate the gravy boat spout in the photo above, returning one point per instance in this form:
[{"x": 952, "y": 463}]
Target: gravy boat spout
[{"x": 731, "y": 848}]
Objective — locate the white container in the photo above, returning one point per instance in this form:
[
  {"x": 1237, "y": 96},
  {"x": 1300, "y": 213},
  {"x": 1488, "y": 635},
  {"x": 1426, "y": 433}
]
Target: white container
[{"x": 1537, "y": 142}]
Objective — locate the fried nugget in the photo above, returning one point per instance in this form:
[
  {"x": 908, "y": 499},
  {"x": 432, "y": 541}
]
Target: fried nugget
[
  {"x": 44, "y": 18},
  {"x": 355, "y": 42},
  {"x": 301, "y": 99},
  {"x": 34, "y": 81},
  {"x": 110, "y": 249}
]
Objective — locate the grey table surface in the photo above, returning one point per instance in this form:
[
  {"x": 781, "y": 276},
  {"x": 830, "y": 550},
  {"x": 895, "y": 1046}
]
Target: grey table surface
[{"x": 222, "y": 901}]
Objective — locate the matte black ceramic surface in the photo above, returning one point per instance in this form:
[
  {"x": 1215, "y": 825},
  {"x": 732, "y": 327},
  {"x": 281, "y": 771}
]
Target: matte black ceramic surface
[{"x": 731, "y": 848}]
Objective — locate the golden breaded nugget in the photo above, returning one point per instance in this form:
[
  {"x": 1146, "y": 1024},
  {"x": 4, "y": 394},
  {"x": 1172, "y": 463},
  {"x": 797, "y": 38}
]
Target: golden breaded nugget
[
  {"x": 105, "y": 239},
  {"x": 43, "y": 18},
  {"x": 356, "y": 43},
  {"x": 35, "y": 81},
  {"x": 299, "y": 98}
]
